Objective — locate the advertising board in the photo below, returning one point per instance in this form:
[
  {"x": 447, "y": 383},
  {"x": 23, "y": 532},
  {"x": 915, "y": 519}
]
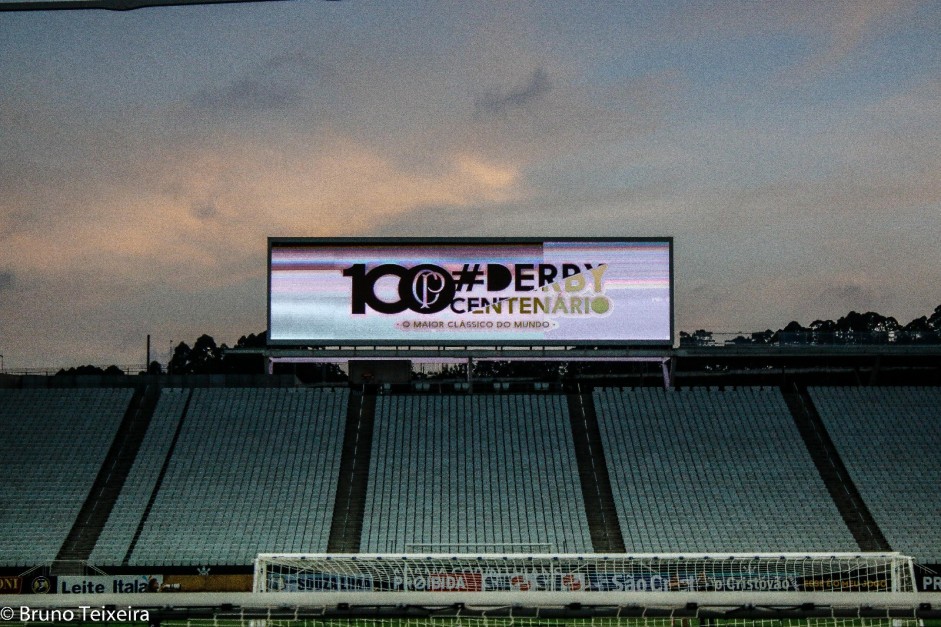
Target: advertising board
[
  {"x": 470, "y": 292},
  {"x": 106, "y": 584},
  {"x": 320, "y": 582},
  {"x": 928, "y": 577},
  {"x": 11, "y": 584}
]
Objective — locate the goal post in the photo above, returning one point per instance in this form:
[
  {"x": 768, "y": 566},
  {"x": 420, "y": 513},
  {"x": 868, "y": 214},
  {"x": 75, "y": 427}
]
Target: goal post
[{"x": 517, "y": 573}]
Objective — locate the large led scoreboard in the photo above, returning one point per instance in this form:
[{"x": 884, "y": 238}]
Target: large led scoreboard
[{"x": 514, "y": 291}]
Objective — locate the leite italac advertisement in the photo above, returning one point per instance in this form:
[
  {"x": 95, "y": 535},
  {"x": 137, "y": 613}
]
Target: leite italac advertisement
[{"x": 526, "y": 292}]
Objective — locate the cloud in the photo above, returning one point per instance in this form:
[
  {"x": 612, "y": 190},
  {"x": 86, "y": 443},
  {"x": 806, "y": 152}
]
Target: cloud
[
  {"x": 536, "y": 87},
  {"x": 797, "y": 42},
  {"x": 180, "y": 247},
  {"x": 179, "y": 212},
  {"x": 851, "y": 295},
  {"x": 249, "y": 94},
  {"x": 278, "y": 84},
  {"x": 567, "y": 121},
  {"x": 204, "y": 211},
  {"x": 845, "y": 27}
]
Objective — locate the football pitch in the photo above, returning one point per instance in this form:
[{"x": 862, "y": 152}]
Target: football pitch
[
  {"x": 528, "y": 621},
  {"x": 508, "y": 621}
]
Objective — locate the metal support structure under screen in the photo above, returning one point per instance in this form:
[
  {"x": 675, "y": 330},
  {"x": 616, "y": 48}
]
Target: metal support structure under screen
[{"x": 664, "y": 361}]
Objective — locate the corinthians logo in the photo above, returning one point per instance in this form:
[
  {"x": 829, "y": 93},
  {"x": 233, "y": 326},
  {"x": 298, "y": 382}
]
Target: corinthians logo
[
  {"x": 567, "y": 289},
  {"x": 427, "y": 287}
]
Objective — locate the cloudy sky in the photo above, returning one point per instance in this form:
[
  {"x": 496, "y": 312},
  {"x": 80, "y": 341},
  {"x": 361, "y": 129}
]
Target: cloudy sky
[{"x": 793, "y": 150}]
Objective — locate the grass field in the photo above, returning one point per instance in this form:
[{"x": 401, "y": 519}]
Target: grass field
[
  {"x": 556, "y": 622},
  {"x": 504, "y": 621},
  {"x": 516, "y": 622}
]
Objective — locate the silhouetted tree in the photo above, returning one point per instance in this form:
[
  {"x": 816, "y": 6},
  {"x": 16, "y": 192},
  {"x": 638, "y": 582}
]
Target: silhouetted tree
[
  {"x": 180, "y": 362},
  {"x": 91, "y": 370},
  {"x": 206, "y": 357},
  {"x": 923, "y": 330},
  {"x": 869, "y": 322},
  {"x": 247, "y": 363},
  {"x": 203, "y": 358},
  {"x": 83, "y": 370},
  {"x": 761, "y": 337},
  {"x": 854, "y": 327},
  {"x": 935, "y": 320},
  {"x": 253, "y": 340},
  {"x": 700, "y": 337}
]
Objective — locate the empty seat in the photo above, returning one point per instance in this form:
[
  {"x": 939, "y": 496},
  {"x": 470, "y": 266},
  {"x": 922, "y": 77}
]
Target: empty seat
[
  {"x": 888, "y": 439},
  {"x": 253, "y": 470},
  {"x": 704, "y": 470},
  {"x": 481, "y": 472},
  {"x": 55, "y": 441}
]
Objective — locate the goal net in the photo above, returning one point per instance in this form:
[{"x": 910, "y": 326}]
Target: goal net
[{"x": 522, "y": 573}]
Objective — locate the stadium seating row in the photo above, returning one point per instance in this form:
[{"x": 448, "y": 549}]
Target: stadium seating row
[
  {"x": 890, "y": 441},
  {"x": 225, "y": 473},
  {"x": 714, "y": 472},
  {"x": 128, "y": 512},
  {"x": 492, "y": 472},
  {"x": 252, "y": 470},
  {"x": 54, "y": 443}
]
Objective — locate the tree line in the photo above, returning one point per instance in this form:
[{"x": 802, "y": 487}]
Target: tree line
[
  {"x": 853, "y": 328},
  {"x": 206, "y": 357},
  {"x": 203, "y": 357}
]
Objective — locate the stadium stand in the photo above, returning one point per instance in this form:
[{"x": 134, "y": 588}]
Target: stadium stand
[
  {"x": 128, "y": 513},
  {"x": 251, "y": 469},
  {"x": 703, "y": 470},
  {"x": 890, "y": 438},
  {"x": 54, "y": 442},
  {"x": 474, "y": 472},
  {"x": 223, "y": 473}
]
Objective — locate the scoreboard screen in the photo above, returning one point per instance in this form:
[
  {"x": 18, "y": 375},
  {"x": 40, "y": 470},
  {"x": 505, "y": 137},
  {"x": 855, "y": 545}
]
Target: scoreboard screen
[{"x": 563, "y": 291}]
